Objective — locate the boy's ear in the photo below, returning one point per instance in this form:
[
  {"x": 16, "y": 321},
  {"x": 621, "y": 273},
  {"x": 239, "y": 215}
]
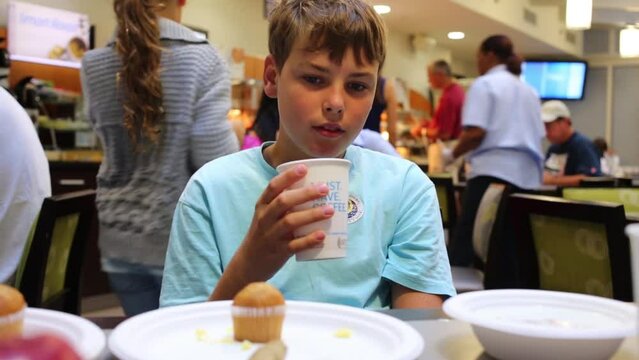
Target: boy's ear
[{"x": 270, "y": 77}]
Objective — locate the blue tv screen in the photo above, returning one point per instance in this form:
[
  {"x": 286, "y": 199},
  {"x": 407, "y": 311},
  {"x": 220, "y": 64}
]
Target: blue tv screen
[{"x": 556, "y": 80}]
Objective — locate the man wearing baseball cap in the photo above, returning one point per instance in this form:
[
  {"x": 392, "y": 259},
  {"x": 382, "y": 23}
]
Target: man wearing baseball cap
[{"x": 572, "y": 156}]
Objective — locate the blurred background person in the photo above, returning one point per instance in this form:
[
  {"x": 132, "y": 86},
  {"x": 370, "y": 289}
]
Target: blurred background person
[
  {"x": 444, "y": 127},
  {"x": 608, "y": 158},
  {"x": 502, "y": 130},
  {"x": 446, "y": 123},
  {"x": 266, "y": 124},
  {"x": 157, "y": 126},
  {"x": 24, "y": 182},
  {"x": 572, "y": 156},
  {"x": 373, "y": 140},
  {"x": 385, "y": 100}
]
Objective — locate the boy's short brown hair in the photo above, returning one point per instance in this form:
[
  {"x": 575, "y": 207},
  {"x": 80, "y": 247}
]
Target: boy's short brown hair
[{"x": 333, "y": 25}]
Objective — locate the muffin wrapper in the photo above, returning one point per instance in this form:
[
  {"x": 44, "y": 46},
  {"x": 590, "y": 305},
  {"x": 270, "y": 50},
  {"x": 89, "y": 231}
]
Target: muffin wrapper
[
  {"x": 243, "y": 311},
  {"x": 12, "y": 318}
]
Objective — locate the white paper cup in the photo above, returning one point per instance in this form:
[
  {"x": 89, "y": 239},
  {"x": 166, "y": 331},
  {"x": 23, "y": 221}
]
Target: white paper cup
[{"x": 333, "y": 173}]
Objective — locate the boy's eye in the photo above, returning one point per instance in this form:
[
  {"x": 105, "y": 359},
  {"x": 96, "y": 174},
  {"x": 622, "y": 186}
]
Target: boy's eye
[
  {"x": 357, "y": 87},
  {"x": 314, "y": 80}
]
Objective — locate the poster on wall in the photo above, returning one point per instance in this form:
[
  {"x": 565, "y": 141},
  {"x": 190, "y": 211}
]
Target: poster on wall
[{"x": 47, "y": 35}]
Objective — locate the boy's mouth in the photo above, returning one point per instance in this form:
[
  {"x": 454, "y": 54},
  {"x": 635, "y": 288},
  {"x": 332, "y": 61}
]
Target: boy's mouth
[{"x": 329, "y": 130}]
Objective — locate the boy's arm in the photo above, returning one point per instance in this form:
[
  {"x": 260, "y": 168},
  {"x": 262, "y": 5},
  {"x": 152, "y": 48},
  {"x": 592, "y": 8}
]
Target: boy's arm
[
  {"x": 193, "y": 263},
  {"x": 405, "y": 298},
  {"x": 269, "y": 242},
  {"x": 417, "y": 264}
]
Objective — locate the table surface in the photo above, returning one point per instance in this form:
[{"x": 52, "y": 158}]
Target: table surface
[{"x": 444, "y": 338}]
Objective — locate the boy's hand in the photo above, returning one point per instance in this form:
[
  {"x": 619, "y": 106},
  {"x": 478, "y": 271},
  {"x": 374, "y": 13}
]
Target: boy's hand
[{"x": 270, "y": 242}]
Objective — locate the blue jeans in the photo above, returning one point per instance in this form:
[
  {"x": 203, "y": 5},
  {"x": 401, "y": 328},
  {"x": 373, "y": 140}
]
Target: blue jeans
[{"x": 137, "y": 286}]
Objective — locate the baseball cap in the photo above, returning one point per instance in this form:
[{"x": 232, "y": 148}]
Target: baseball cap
[{"x": 553, "y": 110}]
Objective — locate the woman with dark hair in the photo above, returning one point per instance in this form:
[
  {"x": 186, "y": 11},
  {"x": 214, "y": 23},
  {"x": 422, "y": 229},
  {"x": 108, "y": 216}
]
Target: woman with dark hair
[
  {"x": 157, "y": 96},
  {"x": 502, "y": 130},
  {"x": 266, "y": 124},
  {"x": 385, "y": 100}
]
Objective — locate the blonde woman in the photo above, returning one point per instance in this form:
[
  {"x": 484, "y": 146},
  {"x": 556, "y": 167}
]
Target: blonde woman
[{"x": 157, "y": 97}]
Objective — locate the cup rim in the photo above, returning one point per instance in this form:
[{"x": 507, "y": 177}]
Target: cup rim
[{"x": 334, "y": 161}]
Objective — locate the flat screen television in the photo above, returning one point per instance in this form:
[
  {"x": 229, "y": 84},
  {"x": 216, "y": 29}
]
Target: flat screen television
[
  {"x": 47, "y": 35},
  {"x": 556, "y": 79}
]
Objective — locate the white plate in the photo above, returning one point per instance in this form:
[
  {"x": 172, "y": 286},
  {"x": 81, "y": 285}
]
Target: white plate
[
  {"x": 84, "y": 336},
  {"x": 544, "y": 324},
  {"x": 308, "y": 332}
]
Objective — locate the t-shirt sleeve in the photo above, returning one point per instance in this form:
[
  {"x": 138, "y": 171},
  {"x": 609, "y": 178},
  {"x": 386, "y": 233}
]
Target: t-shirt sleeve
[
  {"x": 417, "y": 257},
  {"x": 478, "y": 105},
  {"x": 587, "y": 160},
  {"x": 192, "y": 265}
]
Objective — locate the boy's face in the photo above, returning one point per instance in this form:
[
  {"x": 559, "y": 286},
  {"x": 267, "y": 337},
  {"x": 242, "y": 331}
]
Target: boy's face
[{"x": 322, "y": 105}]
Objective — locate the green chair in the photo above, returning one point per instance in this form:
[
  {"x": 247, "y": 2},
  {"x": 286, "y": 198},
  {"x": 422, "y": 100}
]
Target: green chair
[
  {"x": 49, "y": 273},
  {"x": 628, "y": 197},
  {"x": 572, "y": 246}
]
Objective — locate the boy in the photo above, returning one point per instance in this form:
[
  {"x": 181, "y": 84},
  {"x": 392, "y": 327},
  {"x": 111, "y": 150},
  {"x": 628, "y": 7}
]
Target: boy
[{"x": 324, "y": 62}]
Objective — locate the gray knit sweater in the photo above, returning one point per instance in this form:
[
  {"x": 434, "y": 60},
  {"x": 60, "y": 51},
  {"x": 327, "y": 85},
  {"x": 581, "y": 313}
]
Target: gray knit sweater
[{"x": 137, "y": 191}]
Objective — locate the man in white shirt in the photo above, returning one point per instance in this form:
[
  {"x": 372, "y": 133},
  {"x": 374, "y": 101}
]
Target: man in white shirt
[{"x": 24, "y": 181}]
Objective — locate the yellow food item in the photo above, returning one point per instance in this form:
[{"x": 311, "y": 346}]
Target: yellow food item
[
  {"x": 12, "y": 307},
  {"x": 343, "y": 333},
  {"x": 246, "y": 345},
  {"x": 258, "y": 313}
]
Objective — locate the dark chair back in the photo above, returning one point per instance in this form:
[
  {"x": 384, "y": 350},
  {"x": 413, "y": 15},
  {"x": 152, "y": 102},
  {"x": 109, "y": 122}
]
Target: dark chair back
[
  {"x": 573, "y": 246},
  {"x": 598, "y": 181},
  {"x": 49, "y": 273},
  {"x": 446, "y": 198}
]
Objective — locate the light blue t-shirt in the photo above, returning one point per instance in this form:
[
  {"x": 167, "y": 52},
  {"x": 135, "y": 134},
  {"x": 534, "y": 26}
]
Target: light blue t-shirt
[
  {"x": 510, "y": 113},
  {"x": 395, "y": 233}
]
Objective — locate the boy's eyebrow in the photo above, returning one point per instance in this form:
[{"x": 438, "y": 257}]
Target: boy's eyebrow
[
  {"x": 326, "y": 70},
  {"x": 317, "y": 67}
]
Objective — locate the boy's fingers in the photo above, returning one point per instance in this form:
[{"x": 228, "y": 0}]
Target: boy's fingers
[
  {"x": 281, "y": 182},
  {"x": 294, "y": 220},
  {"x": 286, "y": 201},
  {"x": 306, "y": 242}
]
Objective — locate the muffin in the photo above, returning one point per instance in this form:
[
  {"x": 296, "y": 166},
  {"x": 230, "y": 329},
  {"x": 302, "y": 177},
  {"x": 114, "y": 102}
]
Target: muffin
[
  {"x": 258, "y": 313},
  {"x": 12, "y": 307}
]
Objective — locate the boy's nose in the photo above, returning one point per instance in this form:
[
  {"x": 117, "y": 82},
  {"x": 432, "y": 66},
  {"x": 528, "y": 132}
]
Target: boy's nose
[{"x": 334, "y": 106}]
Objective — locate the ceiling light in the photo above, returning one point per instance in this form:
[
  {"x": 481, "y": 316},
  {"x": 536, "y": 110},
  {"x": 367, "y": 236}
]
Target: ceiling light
[
  {"x": 382, "y": 9},
  {"x": 456, "y": 35},
  {"x": 578, "y": 14},
  {"x": 629, "y": 42}
]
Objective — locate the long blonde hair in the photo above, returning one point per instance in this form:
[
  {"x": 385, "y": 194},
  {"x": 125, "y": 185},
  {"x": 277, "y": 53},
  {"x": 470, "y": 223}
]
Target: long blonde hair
[{"x": 138, "y": 45}]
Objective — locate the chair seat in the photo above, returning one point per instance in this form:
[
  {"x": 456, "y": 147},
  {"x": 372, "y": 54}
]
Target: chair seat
[{"x": 467, "y": 279}]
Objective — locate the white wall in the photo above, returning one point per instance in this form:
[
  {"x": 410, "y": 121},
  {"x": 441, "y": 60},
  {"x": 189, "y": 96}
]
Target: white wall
[
  {"x": 231, "y": 23},
  {"x": 550, "y": 27},
  {"x": 404, "y": 62}
]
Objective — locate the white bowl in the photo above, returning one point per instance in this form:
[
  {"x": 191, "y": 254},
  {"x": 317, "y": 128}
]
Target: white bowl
[{"x": 539, "y": 324}]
